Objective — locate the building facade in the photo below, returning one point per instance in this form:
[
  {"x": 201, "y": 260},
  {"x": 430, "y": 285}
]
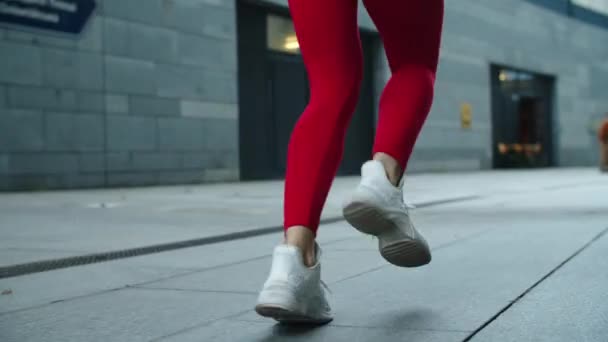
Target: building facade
[{"x": 186, "y": 91}]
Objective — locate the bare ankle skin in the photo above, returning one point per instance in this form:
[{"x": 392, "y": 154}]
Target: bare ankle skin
[
  {"x": 391, "y": 166},
  {"x": 303, "y": 238}
]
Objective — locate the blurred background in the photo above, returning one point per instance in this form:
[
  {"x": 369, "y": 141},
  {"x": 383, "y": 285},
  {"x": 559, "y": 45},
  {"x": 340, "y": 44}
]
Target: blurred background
[
  {"x": 126, "y": 93},
  {"x": 129, "y": 109}
]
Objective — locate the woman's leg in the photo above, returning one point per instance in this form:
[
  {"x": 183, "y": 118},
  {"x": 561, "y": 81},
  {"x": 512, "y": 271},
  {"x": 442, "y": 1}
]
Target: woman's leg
[
  {"x": 411, "y": 32},
  {"x": 329, "y": 41}
]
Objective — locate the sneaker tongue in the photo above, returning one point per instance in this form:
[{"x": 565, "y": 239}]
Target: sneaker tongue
[
  {"x": 373, "y": 168},
  {"x": 287, "y": 257},
  {"x": 288, "y": 249},
  {"x": 293, "y": 255}
]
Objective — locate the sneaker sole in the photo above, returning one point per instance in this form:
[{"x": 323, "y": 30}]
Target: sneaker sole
[
  {"x": 403, "y": 252},
  {"x": 284, "y": 315}
]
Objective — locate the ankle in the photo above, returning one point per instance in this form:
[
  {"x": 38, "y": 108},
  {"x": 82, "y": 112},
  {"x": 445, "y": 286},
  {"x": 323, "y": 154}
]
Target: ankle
[
  {"x": 303, "y": 238},
  {"x": 391, "y": 167}
]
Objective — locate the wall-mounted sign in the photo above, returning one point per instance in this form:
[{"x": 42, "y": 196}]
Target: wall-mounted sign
[
  {"x": 58, "y": 15},
  {"x": 466, "y": 115}
]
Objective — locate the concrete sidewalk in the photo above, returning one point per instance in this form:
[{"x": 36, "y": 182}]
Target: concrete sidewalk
[
  {"x": 50, "y": 225},
  {"x": 525, "y": 261}
]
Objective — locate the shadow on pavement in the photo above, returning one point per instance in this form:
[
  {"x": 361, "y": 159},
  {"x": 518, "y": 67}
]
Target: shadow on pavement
[
  {"x": 393, "y": 323},
  {"x": 409, "y": 319},
  {"x": 281, "y": 331}
]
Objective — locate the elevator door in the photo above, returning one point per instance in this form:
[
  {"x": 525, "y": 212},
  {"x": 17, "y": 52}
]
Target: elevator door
[
  {"x": 287, "y": 97},
  {"x": 521, "y": 120}
]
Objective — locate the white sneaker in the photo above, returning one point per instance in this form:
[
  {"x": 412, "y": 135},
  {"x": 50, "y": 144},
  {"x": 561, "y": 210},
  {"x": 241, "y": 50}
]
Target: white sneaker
[
  {"x": 294, "y": 293},
  {"x": 377, "y": 208}
]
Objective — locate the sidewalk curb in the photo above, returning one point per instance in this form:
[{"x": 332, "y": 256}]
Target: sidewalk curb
[{"x": 78, "y": 260}]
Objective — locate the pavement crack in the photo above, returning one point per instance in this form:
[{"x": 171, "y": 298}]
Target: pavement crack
[
  {"x": 529, "y": 289},
  {"x": 193, "y": 290},
  {"x": 201, "y": 270},
  {"x": 201, "y": 325},
  {"x": 569, "y": 185},
  {"x": 61, "y": 301},
  {"x": 360, "y": 274}
]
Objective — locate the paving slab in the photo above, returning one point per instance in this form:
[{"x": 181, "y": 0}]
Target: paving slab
[
  {"x": 209, "y": 256},
  {"x": 249, "y": 276},
  {"x": 346, "y": 253},
  {"x": 122, "y": 315},
  {"x": 44, "y": 288},
  {"x": 487, "y": 252},
  {"x": 68, "y": 283},
  {"x": 89, "y": 221},
  {"x": 570, "y": 305},
  {"x": 471, "y": 280},
  {"x": 225, "y": 330}
]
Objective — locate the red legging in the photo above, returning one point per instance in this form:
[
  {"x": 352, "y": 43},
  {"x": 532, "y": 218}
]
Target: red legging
[{"x": 329, "y": 41}]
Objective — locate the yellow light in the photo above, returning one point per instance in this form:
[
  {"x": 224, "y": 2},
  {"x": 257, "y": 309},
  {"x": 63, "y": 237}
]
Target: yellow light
[
  {"x": 502, "y": 76},
  {"x": 291, "y": 43},
  {"x": 292, "y": 46},
  {"x": 517, "y": 148},
  {"x": 503, "y": 148}
]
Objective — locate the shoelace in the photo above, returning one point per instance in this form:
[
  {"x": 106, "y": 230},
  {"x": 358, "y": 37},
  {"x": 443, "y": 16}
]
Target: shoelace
[
  {"x": 326, "y": 287},
  {"x": 407, "y": 205},
  {"x": 319, "y": 252}
]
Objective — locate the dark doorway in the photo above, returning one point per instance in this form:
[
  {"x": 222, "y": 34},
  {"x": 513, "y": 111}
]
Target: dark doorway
[
  {"x": 288, "y": 96},
  {"x": 273, "y": 92},
  {"x": 521, "y": 118}
]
